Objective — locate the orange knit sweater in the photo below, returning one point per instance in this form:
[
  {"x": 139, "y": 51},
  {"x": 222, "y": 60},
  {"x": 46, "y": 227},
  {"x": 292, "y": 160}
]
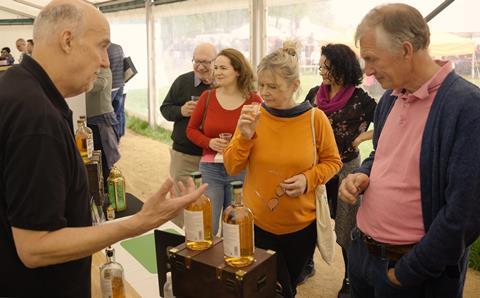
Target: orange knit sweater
[{"x": 282, "y": 148}]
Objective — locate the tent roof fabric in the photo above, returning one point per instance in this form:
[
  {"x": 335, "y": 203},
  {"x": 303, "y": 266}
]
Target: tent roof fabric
[{"x": 14, "y": 9}]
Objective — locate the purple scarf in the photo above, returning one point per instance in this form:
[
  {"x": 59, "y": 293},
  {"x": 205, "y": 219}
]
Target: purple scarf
[{"x": 337, "y": 102}]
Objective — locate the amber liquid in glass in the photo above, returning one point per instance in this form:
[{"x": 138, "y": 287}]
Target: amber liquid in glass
[
  {"x": 238, "y": 233},
  {"x": 84, "y": 141},
  {"x": 198, "y": 222},
  {"x": 111, "y": 277}
]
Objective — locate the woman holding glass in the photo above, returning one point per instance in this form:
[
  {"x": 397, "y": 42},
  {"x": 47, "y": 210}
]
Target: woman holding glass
[
  {"x": 281, "y": 179},
  {"x": 214, "y": 120}
]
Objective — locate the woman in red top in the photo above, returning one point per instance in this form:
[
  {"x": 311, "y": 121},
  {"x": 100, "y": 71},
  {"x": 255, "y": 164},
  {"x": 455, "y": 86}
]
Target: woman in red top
[{"x": 216, "y": 113}]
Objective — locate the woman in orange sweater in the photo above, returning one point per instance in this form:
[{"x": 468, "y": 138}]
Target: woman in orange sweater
[{"x": 276, "y": 146}]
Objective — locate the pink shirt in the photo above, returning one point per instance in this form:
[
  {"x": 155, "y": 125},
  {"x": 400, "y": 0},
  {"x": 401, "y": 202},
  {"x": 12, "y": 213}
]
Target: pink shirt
[{"x": 391, "y": 210}]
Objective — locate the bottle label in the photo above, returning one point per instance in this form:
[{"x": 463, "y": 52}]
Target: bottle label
[
  {"x": 112, "y": 194},
  {"x": 121, "y": 195},
  {"x": 110, "y": 213},
  {"x": 89, "y": 147},
  {"x": 231, "y": 240},
  {"x": 106, "y": 283},
  {"x": 112, "y": 283},
  {"x": 194, "y": 225}
]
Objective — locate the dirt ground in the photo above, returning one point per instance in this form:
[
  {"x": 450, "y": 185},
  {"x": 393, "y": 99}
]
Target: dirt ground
[{"x": 144, "y": 164}]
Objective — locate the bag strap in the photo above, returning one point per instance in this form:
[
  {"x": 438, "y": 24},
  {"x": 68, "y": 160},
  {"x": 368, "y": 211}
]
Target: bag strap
[
  {"x": 312, "y": 124},
  {"x": 202, "y": 124}
]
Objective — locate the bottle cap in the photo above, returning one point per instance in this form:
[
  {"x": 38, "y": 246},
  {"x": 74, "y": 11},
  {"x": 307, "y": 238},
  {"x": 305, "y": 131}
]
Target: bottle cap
[
  {"x": 109, "y": 251},
  {"x": 236, "y": 184},
  {"x": 196, "y": 175}
]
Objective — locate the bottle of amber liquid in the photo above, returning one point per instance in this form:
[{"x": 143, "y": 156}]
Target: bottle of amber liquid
[
  {"x": 111, "y": 277},
  {"x": 84, "y": 140},
  {"x": 198, "y": 220},
  {"x": 238, "y": 237}
]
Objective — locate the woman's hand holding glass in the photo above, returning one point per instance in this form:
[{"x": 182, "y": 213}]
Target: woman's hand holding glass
[
  {"x": 295, "y": 186},
  {"x": 218, "y": 144},
  {"x": 248, "y": 120}
]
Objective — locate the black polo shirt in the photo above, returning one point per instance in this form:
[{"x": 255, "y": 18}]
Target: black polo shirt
[{"x": 43, "y": 182}]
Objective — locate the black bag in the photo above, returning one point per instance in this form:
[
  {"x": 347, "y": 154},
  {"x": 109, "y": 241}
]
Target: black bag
[{"x": 129, "y": 70}]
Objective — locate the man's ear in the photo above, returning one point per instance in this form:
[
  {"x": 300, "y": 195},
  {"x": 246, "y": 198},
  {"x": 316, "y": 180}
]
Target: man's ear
[
  {"x": 66, "y": 41},
  {"x": 407, "y": 50}
]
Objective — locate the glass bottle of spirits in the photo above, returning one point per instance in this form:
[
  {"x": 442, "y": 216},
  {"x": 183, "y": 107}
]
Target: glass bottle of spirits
[
  {"x": 238, "y": 237},
  {"x": 168, "y": 287},
  {"x": 110, "y": 213},
  {"x": 90, "y": 146},
  {"x": 116, "y": 189},
  {"x": 111, "y": 277},
  {"x": 84, "y": 119},
  {"x": 84, "y": 140},
  {"x": 198, "y": 220}
]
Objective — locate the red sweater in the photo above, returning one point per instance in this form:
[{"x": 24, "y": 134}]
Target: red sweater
[{"x": 217, "y": 120}]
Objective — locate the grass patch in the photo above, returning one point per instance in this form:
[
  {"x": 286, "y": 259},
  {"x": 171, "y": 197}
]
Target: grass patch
[
  {"x": 474, "y": 261},
  {"x": 143, "y": 128}
]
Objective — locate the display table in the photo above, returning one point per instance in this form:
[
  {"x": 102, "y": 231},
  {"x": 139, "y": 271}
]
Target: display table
[{"x": 137, "y": 256}]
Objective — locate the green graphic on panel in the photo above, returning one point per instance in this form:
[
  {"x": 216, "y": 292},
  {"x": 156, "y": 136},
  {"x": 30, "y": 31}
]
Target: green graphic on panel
[{"x": 143, "y": 250}]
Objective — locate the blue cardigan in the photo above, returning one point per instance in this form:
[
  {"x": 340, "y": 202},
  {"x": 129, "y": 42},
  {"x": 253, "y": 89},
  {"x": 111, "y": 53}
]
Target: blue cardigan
[{"x": 449, "y": 181}]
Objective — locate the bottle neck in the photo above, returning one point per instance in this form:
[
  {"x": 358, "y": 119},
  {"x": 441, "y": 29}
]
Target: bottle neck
[
  {"x": 237, "y": 199},
  {"x": 198, "y": 182},
  {"x": 111, "y": 259},
  {"x": 110, "y": 253}
]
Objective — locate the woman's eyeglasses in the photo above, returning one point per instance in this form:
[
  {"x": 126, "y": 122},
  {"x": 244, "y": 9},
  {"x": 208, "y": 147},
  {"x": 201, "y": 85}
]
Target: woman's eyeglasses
[{"x": 323, "y": 68}]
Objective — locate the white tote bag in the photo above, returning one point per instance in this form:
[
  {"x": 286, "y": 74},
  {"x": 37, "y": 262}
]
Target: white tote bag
[{"x": 325, "y": 233}]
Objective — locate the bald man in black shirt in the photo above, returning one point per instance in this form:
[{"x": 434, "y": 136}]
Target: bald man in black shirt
[{"x": 45, "y": 222}]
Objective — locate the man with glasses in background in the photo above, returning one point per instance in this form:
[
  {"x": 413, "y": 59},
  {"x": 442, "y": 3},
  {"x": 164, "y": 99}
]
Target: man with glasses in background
[{"x": 178, "y": 106}]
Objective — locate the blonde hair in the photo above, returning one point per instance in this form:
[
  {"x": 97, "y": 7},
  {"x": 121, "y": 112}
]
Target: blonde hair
[
  {"x": 283, "y": 62},
  {"x": 394, "y": 24}
]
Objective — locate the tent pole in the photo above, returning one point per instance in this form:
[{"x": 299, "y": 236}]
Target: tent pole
[
  {"x": 258, "y": 32},
  {"x": 151, "y": 62},
  {"x": 437, "y": 10}
]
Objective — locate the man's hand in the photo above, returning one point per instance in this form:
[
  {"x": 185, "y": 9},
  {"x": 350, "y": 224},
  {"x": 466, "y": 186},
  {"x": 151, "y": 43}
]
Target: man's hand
[
  {"x": 187, "y": 108},
  {"x": 392, "y": 277},
  {"x": 295, "y": 185},
  {"x": 352, "y": 186},
  {"x": 218, "y": 144},
  {"x": 160, "y": 208},
  {"x": 44, "y": 248}
]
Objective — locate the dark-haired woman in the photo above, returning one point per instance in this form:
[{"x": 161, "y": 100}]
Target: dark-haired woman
[{"x": 350, "y": 110}]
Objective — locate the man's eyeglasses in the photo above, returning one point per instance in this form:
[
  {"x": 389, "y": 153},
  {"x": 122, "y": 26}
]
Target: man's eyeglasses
[{"x": 205, "y": 63}]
